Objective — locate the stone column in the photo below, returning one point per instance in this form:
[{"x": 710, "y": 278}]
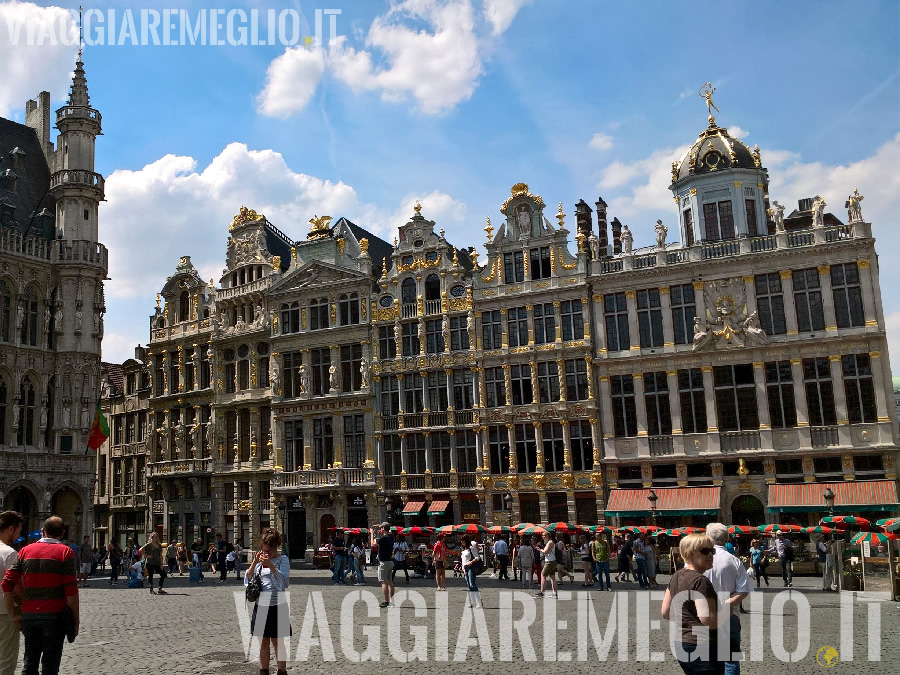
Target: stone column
[
  {"x": 454, "y": 452},
  {"x": 567, "y": 446},
  {"x": 700, "y": 301},
  {"x": 557, "y": 321},
  {"x": 404, "y": 460},
  {"x": 640, "y": 406},
  {"x": 675, "y": 411},
  {"x": 762, "y": 404},
  {"x": 504, "y": 325},
  {"x": 712, "y": 418},
  {"x": 800, "y": 402},
  {"x": 665, "y": 304},
  {"x": 535, "y": 387},
  {"x": 586, "y": 318},
  {"x": 511, "y": 441},
  {"x": 868, "y": 292},
  {"x": 530, "y": 311},
  {"x": 750, "y": 285},
  {"x": 790, "y": 309},
  {"x": 878, "y": 380},
  {"x": 539, "y": 447},
  {"x": 634, "y": 331},
  {"x": 237, "y": 439},
  {"x": 507, "y": 383},
  {"x": 840, "y": 400},
  {"x": 606, "y": 407},
  {"x": 482, "y": 448},
  {"x": 600, "y": 334},
  {"x": 428, "y": 462},
  {"x": 827, "y": 298}
]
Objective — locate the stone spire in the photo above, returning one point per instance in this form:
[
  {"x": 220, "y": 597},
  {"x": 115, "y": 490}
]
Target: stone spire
[{"x": 78, "y": 93}]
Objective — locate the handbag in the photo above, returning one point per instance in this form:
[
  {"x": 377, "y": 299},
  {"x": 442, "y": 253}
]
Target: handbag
[
  {"x": 69, "y": 619},
  {"x": 254, "y": 588}
]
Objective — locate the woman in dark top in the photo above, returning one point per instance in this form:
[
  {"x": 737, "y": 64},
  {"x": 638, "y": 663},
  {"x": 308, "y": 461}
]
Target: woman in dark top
[{"x": 695, "y": 653}]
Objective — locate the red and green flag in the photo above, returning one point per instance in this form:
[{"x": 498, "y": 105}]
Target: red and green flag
[{"x": 99, "y": 430}]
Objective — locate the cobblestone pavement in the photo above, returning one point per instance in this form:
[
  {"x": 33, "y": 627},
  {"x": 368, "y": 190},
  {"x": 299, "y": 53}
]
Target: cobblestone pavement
[{"x": 195, "y": 629}]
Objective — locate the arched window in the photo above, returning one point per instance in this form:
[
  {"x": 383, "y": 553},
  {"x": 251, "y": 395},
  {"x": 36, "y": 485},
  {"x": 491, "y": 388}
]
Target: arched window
[
  {"x": 25, "y": 434},
  {"x": 433, "y": 287},
  {"x": 408, "y": 291},
  {"x": 184, "y": 307},
  {"x": 318, "y": 313},
  {"x": 243, "y": 276},
  {"x": 243, "y": 368},
  {"x": 3, "y": 402},
  {"x": 6, "y": 304},
  {"x": 349, "y": 308},
  {"x": 230, "y": 371},
  {"x": 290, "y": 318},
  {"x": 234, "y": 280},
  {"x": 29, "y": 316}
]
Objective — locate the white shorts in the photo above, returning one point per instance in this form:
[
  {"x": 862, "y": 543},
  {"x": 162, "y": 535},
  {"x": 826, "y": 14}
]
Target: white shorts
[{"x": 85, "y": 568}]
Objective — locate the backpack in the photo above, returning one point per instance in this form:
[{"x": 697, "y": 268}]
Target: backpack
[{"x": 478, "y": 565}]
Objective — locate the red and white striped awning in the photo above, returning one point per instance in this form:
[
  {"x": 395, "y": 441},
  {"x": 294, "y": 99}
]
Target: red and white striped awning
[
  {"x": 413, "y": 508},
  {"x": 696, "y": 501},
  {"x": 849, "y": 496}
]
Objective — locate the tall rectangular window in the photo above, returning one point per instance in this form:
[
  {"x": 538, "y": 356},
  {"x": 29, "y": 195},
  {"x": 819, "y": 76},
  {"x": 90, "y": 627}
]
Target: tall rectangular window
[
  {"x": 582, "y": 445},
  {"x": 390, "y": 396},
  {"x": 750, "y": 210},
  {"x": 526, "y": 448},
  {"x": 780, "y": 389},
  {"x": 392, "y": 455},
  {"x": 494, "y": 387},
  {"x": 656, "y": 396},
  {"x": 351, "y": 363},
  {"x": 354, "y": 440},
  {"x": 387, "y": 347},
  {"x": 291, "y": 371},
  {"x": 808, "y": 300},
  {"x": 684, "y": 309},
  {"x": 513, "y": 267},
  {"x": 859, "y": 388},
  {"x": 411, "y": 345},
  {"x": 517, "y": 326},
  {"x": 540, "y": 263},
  {"x": 819, "y": 391},
  {"x": 770, "y": 303},
  {"x": 736, "y": 397},
  {"x": 205, "y": 371},
  {"x": 491, "y": 330},
  {"x": 693, "y": 401},
  {"x": 847, "y": 293},
  {"x": 440, "y": 452},
  {"x": 318, "y": 313},
  {"x": 293, "y": 445},
  {"x": 434, "y": 338},
  {"x": 650, "y": 318},
  {"x": 459, "y": 333},
  {"x": 544, "y": 323},
  {"x": 615, "y": 311},
  {"x": 520, "y": 378},
  {"x": 437, "y": 391},
  {"x": 463, "y": 396},
  {"x": 572, "y": 318},
  {"x": 624, "y": 410},
  {"x": 718, "y": 221},
  {"x": 413, "y": 393},
  {"x": 320, "y": 363},
  {"x": 466, "y": 451},
  {"x": 348, "y": 305},
  {"x": 323, "y": 442},
  {"x": 554, "y": 446},
  {"x": 548, "y": 381},
  {"x": 576, "y": 380},
  {"x": 498, "y": 449}
]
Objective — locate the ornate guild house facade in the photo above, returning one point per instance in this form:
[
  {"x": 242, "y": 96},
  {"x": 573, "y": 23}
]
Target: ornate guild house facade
[{"x": 737, "y": 374}]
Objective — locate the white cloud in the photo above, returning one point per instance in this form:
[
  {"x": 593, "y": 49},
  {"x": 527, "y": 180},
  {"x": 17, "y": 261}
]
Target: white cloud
[
  {"x": 737, "y": 132},
  {"x": 172, "y": 207},
  {"x": 601, "y": 141},
  {"x": 500, "y": 13},
  {"x": 429, "y": 50},
  {"x": 291, "y": 81},
  {"x": 33, "y": 53}
]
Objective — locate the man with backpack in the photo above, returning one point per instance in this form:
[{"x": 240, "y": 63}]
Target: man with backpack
[
  {"x": 784, "y": 549},
  {"x": 401, "y": 549},
  {"x": 385, "y": 545}
]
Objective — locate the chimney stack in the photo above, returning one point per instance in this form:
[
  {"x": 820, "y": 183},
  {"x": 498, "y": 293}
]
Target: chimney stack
[
  {"x": 601, "y": 225},
  {"x": 617, "y": 235},
  {"x": 583, "y": 218}
]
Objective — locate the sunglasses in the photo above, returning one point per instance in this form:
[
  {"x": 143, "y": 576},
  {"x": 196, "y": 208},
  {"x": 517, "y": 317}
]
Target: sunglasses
[{"x": 708, "y": 551}]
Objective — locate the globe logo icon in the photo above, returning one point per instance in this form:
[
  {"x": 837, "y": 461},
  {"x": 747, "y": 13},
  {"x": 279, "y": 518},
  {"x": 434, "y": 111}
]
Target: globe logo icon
[{"x": 827, "y": 656}]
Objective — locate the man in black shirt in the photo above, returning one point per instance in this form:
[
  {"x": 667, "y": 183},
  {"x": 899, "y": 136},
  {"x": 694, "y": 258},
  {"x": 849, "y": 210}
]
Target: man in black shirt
[{"x": 385, "y": 545}]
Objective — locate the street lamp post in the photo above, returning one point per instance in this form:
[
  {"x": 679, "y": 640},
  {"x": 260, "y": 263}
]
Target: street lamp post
[
  {"x": 78, "y": 514},
  {"x": 282, "y": 509},
  {"x": 652, "y": 497},
  {"x": 829, "y": 500}
]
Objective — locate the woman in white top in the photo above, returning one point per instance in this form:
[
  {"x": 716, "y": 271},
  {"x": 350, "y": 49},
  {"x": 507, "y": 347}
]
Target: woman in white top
[
  {"x": 585, "y": 552},
  {"x": 238, "y": 560},
  {"x": 274, "y": 572},
  {"x": 469, "y": 556},
  {"x": 549, "y": 571}
]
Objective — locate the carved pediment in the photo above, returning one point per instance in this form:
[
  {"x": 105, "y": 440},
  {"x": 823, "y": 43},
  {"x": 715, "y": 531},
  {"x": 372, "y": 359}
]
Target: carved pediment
[
  {"x": 247, "y": 246},
  {"x": 727, "y": 323},
  {"x": 317, "y": 274}
]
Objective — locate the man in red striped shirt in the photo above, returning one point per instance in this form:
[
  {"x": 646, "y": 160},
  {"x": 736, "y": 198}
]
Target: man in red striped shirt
[{"x": 46, "y": 569}]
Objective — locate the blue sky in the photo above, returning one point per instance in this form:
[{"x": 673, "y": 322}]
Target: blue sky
[{"x": 453, "y": 102}]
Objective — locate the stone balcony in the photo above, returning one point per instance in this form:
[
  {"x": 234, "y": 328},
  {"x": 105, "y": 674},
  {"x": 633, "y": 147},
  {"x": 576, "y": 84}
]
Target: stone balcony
[
  {"x": 15, "y": 462},
  {"x": 325, "y": 478},
  {"x": 134, "y": 501},
  {"x": 180, "y": 467},
  {"x": 426, "y": 420},
  {"x": 794, "y": 439},
  {"x": 703, "y": 251}
]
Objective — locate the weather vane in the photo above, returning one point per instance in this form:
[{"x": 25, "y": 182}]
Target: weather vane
[
  {"x": 706, "y": 91},
  {"x": 80, "y": 31}
]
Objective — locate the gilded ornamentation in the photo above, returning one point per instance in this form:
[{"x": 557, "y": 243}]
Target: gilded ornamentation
[
  {"x": 320, "y": 225},
  {"x": 276, "y": 262},
  {"x": 341, "y": 244},
  {"x": 561, "y": 217},
  {"x": 568, "y": 481},
  {"x": 364, "y": 245},
  {"x": 597, "y": 479},
  {"x": 419, "y": 262},
  {"x": 489, "y": 230},
  {"x": 520, "y": 190},
  {"x": 243, "y": 216},
  {"x": 495, "y": 265},
  {"x": 562, "y": 261}
]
